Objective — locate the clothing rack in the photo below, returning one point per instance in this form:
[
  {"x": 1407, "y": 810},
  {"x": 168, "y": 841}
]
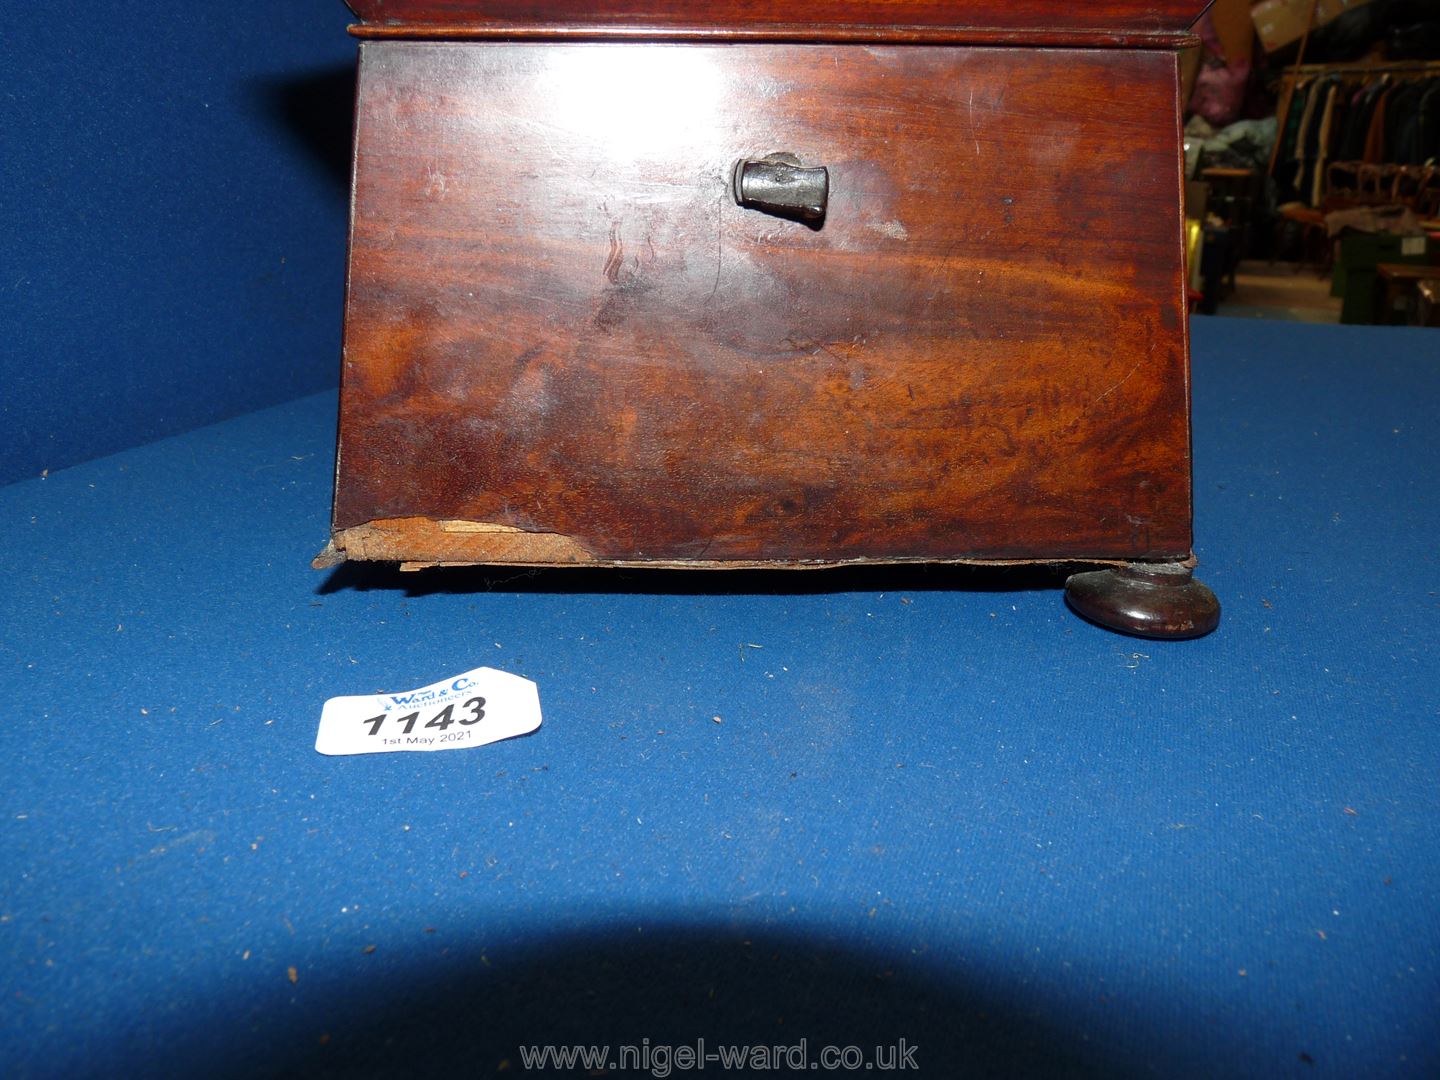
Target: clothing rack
[
  {"x": 1296, "y": 72},
  {"x": 1362, "y": 68}
]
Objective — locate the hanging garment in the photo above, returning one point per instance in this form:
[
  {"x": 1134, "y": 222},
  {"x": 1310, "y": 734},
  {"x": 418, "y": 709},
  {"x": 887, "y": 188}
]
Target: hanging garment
[
  {"x": 1286, "y": 155},
  {"x": 1357, "y": 124},
  {"x": 1289, "y": 136},
  {"x": 1327, "y": 123},
  {"x": 1374, "y": 151},
  {"x": 1401, "y": 119},
  {"x": 1297, "y": 174},
  {"x": 1429, "y": 136},
  {"x": 1310, "y": 140}
]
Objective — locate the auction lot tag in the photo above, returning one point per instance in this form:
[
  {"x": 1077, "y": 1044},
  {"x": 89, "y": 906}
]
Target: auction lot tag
[{"x": 481, "y": 706}]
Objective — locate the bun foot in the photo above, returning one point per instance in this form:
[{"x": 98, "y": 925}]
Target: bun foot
[{"x": 1153, "y": 600}]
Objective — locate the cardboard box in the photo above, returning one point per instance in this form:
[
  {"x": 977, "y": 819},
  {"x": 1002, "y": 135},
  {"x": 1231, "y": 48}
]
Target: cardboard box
[
  {"x": 1231, "y": 19},
  {"x": 1279, "y": 22}
]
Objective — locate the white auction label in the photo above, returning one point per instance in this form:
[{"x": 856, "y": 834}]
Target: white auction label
[{"x": 481, "y": 706}]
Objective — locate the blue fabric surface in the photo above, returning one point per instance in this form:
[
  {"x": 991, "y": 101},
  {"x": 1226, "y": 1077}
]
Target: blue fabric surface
[
  {"x": 173, "y": 189},
  {"x": 937, "y": 806}
]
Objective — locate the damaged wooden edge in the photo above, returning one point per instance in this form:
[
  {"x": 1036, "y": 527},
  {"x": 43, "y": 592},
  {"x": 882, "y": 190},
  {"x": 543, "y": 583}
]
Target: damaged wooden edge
[{"x": 418, "y": 543}]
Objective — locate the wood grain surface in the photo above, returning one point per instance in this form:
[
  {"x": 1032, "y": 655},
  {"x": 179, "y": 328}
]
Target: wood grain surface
[{"x": 565, "y": 342}]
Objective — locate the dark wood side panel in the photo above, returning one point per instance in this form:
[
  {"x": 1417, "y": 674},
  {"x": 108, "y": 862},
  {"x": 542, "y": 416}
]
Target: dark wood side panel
[
  {"x": 1152, "y": 15},
  {"x": 787, "y": 33},
  {"x": 561, "y": 327}
]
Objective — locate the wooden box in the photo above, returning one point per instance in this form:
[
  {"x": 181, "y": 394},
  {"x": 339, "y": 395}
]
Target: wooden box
[{"x": 710, "y": 287}]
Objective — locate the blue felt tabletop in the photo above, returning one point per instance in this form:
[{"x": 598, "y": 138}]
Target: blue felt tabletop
[{"x": 935, "y": 806}]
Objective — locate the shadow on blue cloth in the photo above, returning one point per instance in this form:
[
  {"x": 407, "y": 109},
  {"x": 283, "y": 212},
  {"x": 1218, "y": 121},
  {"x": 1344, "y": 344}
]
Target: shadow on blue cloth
[
  {"x": 315, "y": 110},
  {"x": 902, "y": 577},
  {"x": 470, "y": 1013}
]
